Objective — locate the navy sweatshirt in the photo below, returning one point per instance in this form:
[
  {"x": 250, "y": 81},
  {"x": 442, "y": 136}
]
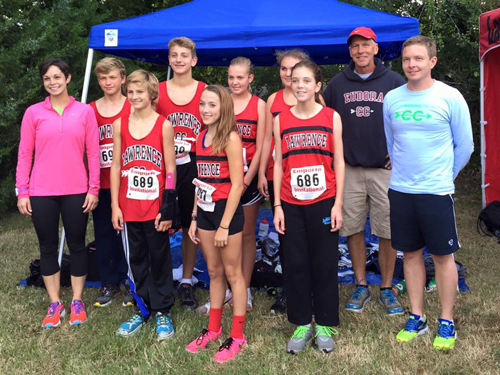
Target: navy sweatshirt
[{"x": 359, "y": 103}]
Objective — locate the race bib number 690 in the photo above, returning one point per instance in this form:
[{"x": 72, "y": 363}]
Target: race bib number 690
[{"x": 308, "y": 182}]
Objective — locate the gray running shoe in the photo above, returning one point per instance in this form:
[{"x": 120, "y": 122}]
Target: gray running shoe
[
  {"x": 187, "y": 298},
  {"x": 205, "y": 308},
  {"x": 299, "y": 339},
  {"x": 324, "y": 339},
  {"x": 106, "y": 295},
  {"x": 128, "y": 298},
  {"x": 279, "y": 306}
]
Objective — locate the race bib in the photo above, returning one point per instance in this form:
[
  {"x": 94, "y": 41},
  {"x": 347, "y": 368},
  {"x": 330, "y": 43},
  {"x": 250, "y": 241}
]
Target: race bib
[
  {"x": 245, "y": 162},
  {"x": 182, "y": 150},
  {"x": 106, "y": 153},
  {"x": 204, "y": 193},
  {"x": 308, "y": 182},
  {"x": 142, "y": 184}
]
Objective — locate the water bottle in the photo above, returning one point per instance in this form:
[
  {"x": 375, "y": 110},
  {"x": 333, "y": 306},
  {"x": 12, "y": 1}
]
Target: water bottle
[
  {"x": 263, "y": 228},
  {"x": 399, "y": 288}
]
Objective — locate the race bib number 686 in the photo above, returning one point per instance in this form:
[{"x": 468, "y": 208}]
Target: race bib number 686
[{"x": 308, "y": 182}]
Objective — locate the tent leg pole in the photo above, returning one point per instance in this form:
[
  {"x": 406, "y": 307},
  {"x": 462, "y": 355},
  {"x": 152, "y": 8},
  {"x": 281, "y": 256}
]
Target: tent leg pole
[
  {"x": 88, "y": 70},
  {"x": 481, "y": 122},
  {"x": 61, "y": 247}
]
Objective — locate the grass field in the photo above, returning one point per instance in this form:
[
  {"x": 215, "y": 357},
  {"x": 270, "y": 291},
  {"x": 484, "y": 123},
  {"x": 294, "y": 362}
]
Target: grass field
[{"x": 365, "y": 344}]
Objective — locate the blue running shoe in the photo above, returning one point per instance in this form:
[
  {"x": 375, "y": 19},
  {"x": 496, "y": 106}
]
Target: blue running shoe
[
  {"x": 359, "y": 298},
  {"x": 446, "y": 335},
  {"x": 131, "y": 325},
  {"x": 164, "y": 326},
  {"x": 390, "y": 302},
  {"x": 415, "y": 326}
]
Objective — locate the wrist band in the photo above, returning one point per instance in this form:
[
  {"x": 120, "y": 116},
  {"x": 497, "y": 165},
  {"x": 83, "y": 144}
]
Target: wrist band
[
  {"x": 277, "y": 205},
  {"x": 220, "y": 226},
  {"x": 194, "y": 218},
  {"x": 245, "y": 185}
]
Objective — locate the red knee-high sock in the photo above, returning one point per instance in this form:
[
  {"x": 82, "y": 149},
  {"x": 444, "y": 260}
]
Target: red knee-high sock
[
  {"x": 238, "y": 324},
  {"x": 214, "y": 319}
]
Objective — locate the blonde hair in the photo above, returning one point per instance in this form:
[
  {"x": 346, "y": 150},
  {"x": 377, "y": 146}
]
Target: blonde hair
[
  {"x": 185, "y": 42},
  {"x": 104, "y": 66},
  {"x": 428, "y": 43},
  {"x": 143, "y": 77},
  {"x": 295, "y": 53},
  {"x": 227, "y": 123},
  {"x": 243, "y": 61}
]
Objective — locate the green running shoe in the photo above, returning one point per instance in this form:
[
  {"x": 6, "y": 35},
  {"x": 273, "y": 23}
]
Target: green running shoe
[
  {"x": 299, "y": 339},
  {"x": 324, "y": 339},
  {"x": 415, "y": 326},
  {"x": 446, "y": 335}
]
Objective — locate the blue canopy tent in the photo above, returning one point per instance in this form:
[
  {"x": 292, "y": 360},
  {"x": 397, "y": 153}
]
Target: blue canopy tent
[{"x": 224, "y": 29}]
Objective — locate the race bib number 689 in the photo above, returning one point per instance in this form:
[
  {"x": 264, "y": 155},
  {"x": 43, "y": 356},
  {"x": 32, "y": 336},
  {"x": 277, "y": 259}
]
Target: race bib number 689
[{"x": 143, "y": 185}]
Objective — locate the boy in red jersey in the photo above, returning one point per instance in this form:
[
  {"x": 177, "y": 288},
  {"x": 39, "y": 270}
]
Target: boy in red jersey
[
  {"x": 179, "y": 102},
  {"x": 142, "y": 203},
  {"x": 113, "y": 105}
]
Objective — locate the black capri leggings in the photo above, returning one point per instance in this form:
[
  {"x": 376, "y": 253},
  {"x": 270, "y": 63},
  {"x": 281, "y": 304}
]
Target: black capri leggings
[{"x": 45, "y": 216}]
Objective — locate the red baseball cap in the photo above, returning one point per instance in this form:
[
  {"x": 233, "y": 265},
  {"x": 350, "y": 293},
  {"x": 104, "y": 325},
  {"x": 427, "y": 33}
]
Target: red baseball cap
[{"x": 364, "y": 32}]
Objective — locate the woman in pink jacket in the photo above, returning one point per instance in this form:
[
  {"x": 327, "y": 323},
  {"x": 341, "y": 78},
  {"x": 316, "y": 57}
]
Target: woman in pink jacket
[{"x": 59, "y": 131}]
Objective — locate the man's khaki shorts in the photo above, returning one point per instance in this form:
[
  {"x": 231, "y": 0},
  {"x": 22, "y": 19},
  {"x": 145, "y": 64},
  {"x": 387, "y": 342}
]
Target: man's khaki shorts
[{"x": 365, "y": 190}]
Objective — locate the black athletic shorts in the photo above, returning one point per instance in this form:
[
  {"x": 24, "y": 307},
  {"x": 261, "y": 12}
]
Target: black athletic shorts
[
  {"x": 419, "y": 220},
  {"x": 185, "y": 190},
  {"x": 251, "y": 194},
  {"x": 211, "y": 220}
]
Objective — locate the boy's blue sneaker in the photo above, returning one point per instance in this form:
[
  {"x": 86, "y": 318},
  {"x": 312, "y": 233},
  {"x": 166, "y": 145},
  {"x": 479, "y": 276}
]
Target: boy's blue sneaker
[
  {"x": 164, "y": 326},
  {"x": 131, "y": 325},
  {"x": 415, "y": 326},
  {"x": 359, "y": 298},
  {"x": 446, "y": 335},
  {"x": 390, "y": 302}
]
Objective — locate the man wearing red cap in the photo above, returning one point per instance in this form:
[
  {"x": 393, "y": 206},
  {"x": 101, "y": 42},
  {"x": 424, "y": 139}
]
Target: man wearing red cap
[{"x": 357, "y": 94}]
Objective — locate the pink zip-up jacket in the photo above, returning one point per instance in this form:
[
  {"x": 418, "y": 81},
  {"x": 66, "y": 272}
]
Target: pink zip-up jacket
[{"x": 59, "y": 143}]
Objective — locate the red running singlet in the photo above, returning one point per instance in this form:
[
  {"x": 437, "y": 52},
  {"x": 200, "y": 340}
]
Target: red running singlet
[
  {"x": 142, "y": 172},
  {"x": 185, "y": 119},
  {"x": 307, "y": 157},
  {"x": 246, "y": 123},
  {"x": 105, "y": 125},
  {"x": 278, "y": 106},
  {"x": 213, "y": 182}
]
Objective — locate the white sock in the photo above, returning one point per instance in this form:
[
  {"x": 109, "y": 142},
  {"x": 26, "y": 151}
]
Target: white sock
[
  {"x": 306, "y": 325},
  {"x": 187, "y": 281}
]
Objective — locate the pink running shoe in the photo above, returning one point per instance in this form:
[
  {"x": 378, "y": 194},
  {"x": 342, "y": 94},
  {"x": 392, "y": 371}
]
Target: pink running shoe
[
  {"x": 231, "y": 347},
  {"x": 202, "y": 340}
]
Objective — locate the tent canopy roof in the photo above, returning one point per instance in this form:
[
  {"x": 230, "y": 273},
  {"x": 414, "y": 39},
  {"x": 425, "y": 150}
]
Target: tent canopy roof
[{"x": 224, "y": 29}]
